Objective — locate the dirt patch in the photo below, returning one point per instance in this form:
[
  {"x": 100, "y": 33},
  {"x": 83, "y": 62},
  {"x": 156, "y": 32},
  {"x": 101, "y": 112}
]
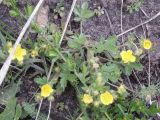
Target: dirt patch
[{"x": 95, "y": 28}]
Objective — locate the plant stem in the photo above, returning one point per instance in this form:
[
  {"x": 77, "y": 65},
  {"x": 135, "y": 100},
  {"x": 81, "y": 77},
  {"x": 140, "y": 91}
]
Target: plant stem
[
  {"x": 107, "y": 116},
  {"x": 81, "y": 27},
  {"x": 40, "y": 104},
  {"x": 50, "y": 70},
  {"x": 49, "y": 111},
  {"x": 149, "y": 69},
  {"x": 68, "y": 19},
  {"x": 137, "y": 78}
]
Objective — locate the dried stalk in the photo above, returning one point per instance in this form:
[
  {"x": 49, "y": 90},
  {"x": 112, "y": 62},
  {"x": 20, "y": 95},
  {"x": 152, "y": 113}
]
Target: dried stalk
[{"x": 7, "y": 63}]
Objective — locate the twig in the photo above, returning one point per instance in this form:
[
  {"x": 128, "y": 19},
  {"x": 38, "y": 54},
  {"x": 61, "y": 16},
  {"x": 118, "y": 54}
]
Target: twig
[
  {"x": 144, "y": 32},
  {"x": 144, "y": 12},
  {"x": 39, "y": 108},
  {"x": 149, "y": 70},
  {"x": 1, "y": 1},
  {"x": 137, "y": 78},
  {"x": 154, "y": 17},
  {"x": 117, "y": 87},
  {"x": 50, "y": 70},
  {"x": 109, "y": 20},
  {"x": 49, "y": 111},
  {"x": 107, "y": 116},
  {"x": 122, "y": 22},
  {"x": 129, "y": 81},
  {"x": 68, "y": 19},
  {"x": 7, "y": 63}
]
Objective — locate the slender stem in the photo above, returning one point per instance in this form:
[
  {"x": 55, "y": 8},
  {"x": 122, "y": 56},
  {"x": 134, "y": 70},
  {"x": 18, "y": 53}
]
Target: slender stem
[
  {"x": 129, "y": 81},
  {"x": 40, "y": 104},
  {"x": 149, "y": 70},
  {"x": 68, "y": 19},
  {"x": 145, "y": 22},
  {"x": 122, "y": 23},
  {"x": 81, "y": 27},
  {"x": 50, "y": 70},
  {"x": 137, "y": 78},
  {"x": 7, "y": 63},
  {"x": 75, "y": 72},
  {"x": 119, "y": 106},
  {"x": 117, "y": 87},
  {"x": 107, "y": 116},
  {"x": 49, "y": 111}
]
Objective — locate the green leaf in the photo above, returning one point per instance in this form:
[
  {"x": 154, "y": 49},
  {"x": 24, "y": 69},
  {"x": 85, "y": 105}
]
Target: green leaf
[
  {"x": 9, "y": 111},
  {"x": 108, "y": 45},
  {"x": 53, "y": 53},
  {"x": 13, "y": 13},
  {"x": 18, "y": 112},
  {"x": 82, "y": 12},
  {"x": 137, "y": 66},
  {"x": 111, "y": 72},
  {"x": 41, "y": 81},
  {"x": 77, "y": 41},
  {"x": 65, "y": 77},
  {"x": 128, "y": 70},
  {"x": 2, "y": 39},
  {"x": 9, "y": 92},
  {"x": 29, "y": 10},
  {"x": 30, "y": 109}
]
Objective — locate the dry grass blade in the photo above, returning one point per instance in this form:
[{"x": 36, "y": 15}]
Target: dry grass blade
[
  {"x": 152, "y": 18},
  {"x": 1, "y": 1},
  {"x": 7, "y": 63},
  {"x": 68, "y": 19}
]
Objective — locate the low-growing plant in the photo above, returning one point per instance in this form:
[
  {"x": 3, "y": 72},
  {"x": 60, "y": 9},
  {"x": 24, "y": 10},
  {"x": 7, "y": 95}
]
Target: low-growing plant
[
  {"x": 135, "y": 6},
  {"x": 96, "y": 72}
]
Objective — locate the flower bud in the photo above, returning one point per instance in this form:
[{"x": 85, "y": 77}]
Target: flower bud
[
  {"x": 51, "y": 98},
  {"x": 95, "y": 65},
  {"x": 138, "y": 52},
  {"x": 38, "y": 98},
  {"x": 96, "y": 103},
  {"x": 148, "y": 98},
  {"x": 95, "y": 93}
]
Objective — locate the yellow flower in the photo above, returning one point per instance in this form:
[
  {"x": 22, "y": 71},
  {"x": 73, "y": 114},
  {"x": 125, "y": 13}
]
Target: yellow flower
[
  {"x": 46, "y": 90},
  {"x": 19, "y": 53},
  {"x": 87, "y": 99},
  {"x": 147, "y": 44},
  {"x": 121, "y": 89},
  {"x": 34, "y": 53},
  {"x": 106, "y": 98},
  {"x": 127, "y": 56}
]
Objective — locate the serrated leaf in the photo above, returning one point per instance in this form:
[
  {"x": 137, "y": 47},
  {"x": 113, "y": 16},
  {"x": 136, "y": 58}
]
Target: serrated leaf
[
  {"x": 13, "y": 13},
  {"x": 9, "y": 111},
  {"x": 137, "y": 66},
  {"x": 77, "y": 41},
  {"x": 9, "y": 92},
  {"x": 108, "y": 45},
  {"x": 111, "y": 72},
  {"x": 28, "y": 9},
  {"x": 41, "y": 81},
  {"x": 82, "y": 12},
  {"x": 30, "y": 109},
  {"x": 18, "y": 112}
]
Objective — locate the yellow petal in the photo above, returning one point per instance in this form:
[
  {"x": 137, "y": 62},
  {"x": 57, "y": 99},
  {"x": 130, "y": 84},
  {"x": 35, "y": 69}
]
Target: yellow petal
[
  {"x": 129, "y": 52},
  {"x": 46, "y": 90},
  {"x": 106, "y": 98},
  {"x": 133, "y": 58},
  {"x": 24, "y": 52},
  {"x": 123, "y": 53},
  {"x": 20, "y": 58},
  {"x": 87, "y": 99}
]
